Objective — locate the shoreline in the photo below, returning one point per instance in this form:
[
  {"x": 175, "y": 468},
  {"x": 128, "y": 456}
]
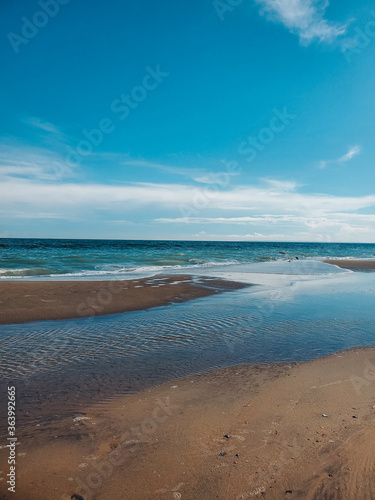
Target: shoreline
[
  {"x": 26, "y": 301},
  {"x": 364, "y": 265},
  {"x": 284, "y": 430},
  {"x": 241, "y": 432}
]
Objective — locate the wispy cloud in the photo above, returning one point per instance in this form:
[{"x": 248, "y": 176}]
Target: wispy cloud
[
  {"x": 38, "y": 123},
  {"x": 199, "y": 175},
  {"x": 341, "y": 234},
  {"x": 14, "y": 214},
  {"x": 280, "y": 186},
  {"x": 121, "y": 221},
  {"x": 305, "y": 18},
  {"x": 350, "y": 154},
  {"x": 335, "y": 219},
  {"x": 202, "y": 235},
  {"x": 353, "y": 151},
  {"x": 192, "y": 173},
  {"x": 18, "y": 160},
  {"x": 270, "y": 206},
  {"x": 254, "y": 198}
]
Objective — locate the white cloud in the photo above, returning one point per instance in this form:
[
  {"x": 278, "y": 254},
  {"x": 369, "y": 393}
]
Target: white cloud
[
  {"x": 281, "y": 185},
  {"x": 254, "y": 199},
  {"x": 329, "y": 223},
  {"x": 27, "y": 162},
  {"x": 123, "y": 221},
  {"x": 353, "y": 151},
  {"x": 33, "y": 188},
  {"x": 186, "y": 172},
  {"x": 227, "y": 220},
  {"x": 350, "y": 154},
  {"x": 305, "y": 18},
  {"x": 239, "y": 237},
  {"x": 36, "y": 122},
  {"x": 32, "y": 215}
]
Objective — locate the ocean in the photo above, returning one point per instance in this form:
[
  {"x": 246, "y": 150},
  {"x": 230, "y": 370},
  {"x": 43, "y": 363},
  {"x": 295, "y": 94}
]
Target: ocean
[{"x": 110, "y": 259}]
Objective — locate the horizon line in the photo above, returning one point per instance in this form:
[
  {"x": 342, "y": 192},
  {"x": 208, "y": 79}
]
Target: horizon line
[{"x": 189, "y": 241}]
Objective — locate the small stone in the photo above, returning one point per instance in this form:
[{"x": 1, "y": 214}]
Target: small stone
[
  {"x": 76, "y": 497},
  {"x": 226, "y": 436},
  {"x": 222, "y": 453},
  {"x": 324, "y": 415}
]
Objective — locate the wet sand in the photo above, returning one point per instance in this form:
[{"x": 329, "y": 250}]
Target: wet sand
[
  {"x": 299, "y": 431},
  {"x": 25, "y": 301},
  {"x": 365, "y": 265}
]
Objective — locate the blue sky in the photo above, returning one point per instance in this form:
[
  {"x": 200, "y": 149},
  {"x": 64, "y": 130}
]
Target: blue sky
[{"x": 201, "y": 120}]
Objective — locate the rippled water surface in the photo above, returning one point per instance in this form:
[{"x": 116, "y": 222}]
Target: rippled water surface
[{"x": 88, "y": 359}]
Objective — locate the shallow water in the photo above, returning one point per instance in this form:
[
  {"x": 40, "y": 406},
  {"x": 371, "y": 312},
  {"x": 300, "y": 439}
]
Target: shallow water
[
  {"x": 280, "y": 318},
  {"x": 255, "y": 324}
]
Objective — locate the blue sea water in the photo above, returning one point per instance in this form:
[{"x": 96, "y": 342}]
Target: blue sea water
[{"x": 106, "y": 259}]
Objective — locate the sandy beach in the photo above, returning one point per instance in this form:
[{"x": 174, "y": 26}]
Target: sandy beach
[
  {"x": 364, "y": 265},
  {"x": 303, "y": 431},
  {"x": 42, "y": 300},
  {"x": 282, "y": 430}
]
